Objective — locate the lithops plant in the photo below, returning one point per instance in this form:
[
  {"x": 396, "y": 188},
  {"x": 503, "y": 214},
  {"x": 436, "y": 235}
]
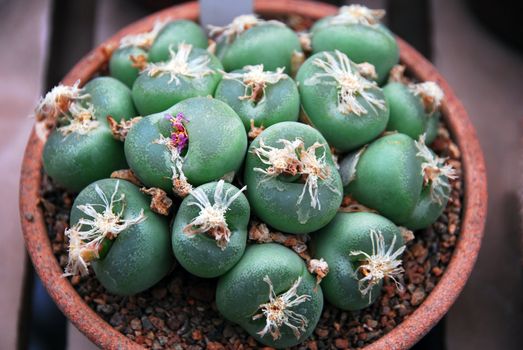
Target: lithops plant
[
  {"x": 271, "y": 295},
  {"x": 346, "y": 107},
  {"x": 113, "y": 230},
  {"x": 81, "y": 149},
  {"x": 361, "y": 249},
  {"x": 189, "y": 72},
  {"x": 414, "y": 108},
  {"x": 136, "y": 50},
  {"x": 199, "y": 140},
  {"x": 209, "y": 233},
  {"x": 249, "y": 40},
  {"x": 357, "y": 32},
  {"x": 260, "y": 97},
  {"x": 385, "y": 176},
  {"x": 293, "y": 182}
]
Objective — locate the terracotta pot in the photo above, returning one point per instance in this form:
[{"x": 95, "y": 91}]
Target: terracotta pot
[{"x": 405, "y": 334}]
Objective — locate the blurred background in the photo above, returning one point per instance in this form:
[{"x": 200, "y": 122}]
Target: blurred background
[{"x": 476, "y": 45}]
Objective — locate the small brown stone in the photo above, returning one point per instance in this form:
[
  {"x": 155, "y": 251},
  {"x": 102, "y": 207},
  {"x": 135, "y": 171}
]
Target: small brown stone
[{"x": 341, "y": 343}]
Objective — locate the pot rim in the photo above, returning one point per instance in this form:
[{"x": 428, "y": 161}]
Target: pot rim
[{"x": 403, "y": 336}]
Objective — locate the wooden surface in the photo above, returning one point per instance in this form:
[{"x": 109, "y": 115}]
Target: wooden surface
[{"x": 485, "y": 75}]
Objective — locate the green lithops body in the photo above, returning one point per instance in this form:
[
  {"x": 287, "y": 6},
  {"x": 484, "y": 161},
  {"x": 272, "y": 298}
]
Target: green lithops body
[
  {"x": 209, "y": 232},
  {"x": 350, "y": 244},
  {"x": 173, "y": 34},
  {"x": 266, "y": 273},
  {"x": 139, "y": 254},
  {"x": 110, "y": 97},
  {"x": 131, "y": 55},
  {"x": 251, "y": 41},
  {"x": 189, "y": 72},
  {"x": 124, "y": 64},
  {"x": 385, "y": 176},
  {"x": 292, "y": 182},
  {"x": 348, "y": 109},
  {"x": 82, "y": 149},
  {"x": 436, "y": 175},
  {"x": 215, "y": 147},
  {"x": 412, "y": 107},
  {"x": 260, "y": 96},
  {"x": 356, "y": 32}
]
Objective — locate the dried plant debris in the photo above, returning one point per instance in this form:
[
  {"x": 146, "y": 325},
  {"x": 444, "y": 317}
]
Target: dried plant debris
[
  {"x": 121, "y": 129},
  {"x": 128, "y": 175},
  {"x": 160, "y": 202}
]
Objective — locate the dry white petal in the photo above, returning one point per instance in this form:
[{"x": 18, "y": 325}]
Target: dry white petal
[
  {"x": 179, "y": 65},
  {"x": 211, "y": 218},
  {"x": 381, "y": 263},
  {"x": 255, "y": 81},
  {"x": 338, "y": 71},
  {"x": 431, "y": 94},
  {"x": 280, "y": 160},
  {"x": 143, "y": 40},
  {"x": 435, "y": 171},
  {"x": 357, "y": 14},
  {"x": 314, "y": 169},
  {"x": 81, "y": 120},
  {"x": 277, "y": 311},
  {"x": 238, "y": 25},
  {"x": 181, "y": 185},
  {"x": 57, "y": 101}
]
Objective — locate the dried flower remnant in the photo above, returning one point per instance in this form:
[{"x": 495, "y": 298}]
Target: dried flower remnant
[
  {"x": 143, "y": 40},
  {"x": 84, "y": 245},
  {"x": 138, "y": 61},
  {"x": 260, "y": 233},
  {"x": 305, "y": 41},
  {"x": 280, "y": 160},
  {"x": 254, "y": 131},
  {"x": 81, "y": 120},
  {"x": 160, "y": 202},
  {"x": 312, "y": 169},
  {"x": 180, "y": 65},
  {"x": 128, "y": 175},
  {"x": 80, "y": 253},
  {"x": 121, "y": 129},
  {"x": 367, "y": 70},
  {"x": 357, "y": 14},
  {"x": 318, "y": 267},
  {"x": 338, "y": 71},
  {"x": 57, "y": 102},
  {"x": 397, "y": 75},
  {"x": 436, "y": 172},
  {"x": 277, "y": 311},
  {"x": 255, "y": 80},
  {"x": 294, "y": 159},
  {"x": 175, "y": 144},
  {"x": 211, "y": 218},
  {"x": 380, "y": 264},
  {"x": 239, "y": 25},
  {"x": 430, "y": 94}
]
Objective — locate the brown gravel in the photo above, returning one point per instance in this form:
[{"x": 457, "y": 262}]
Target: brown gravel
[{"x": 180, "y": 313}]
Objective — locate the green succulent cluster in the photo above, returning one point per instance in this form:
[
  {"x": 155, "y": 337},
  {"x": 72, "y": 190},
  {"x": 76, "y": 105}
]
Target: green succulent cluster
[{"x": 245, "y": 144}]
